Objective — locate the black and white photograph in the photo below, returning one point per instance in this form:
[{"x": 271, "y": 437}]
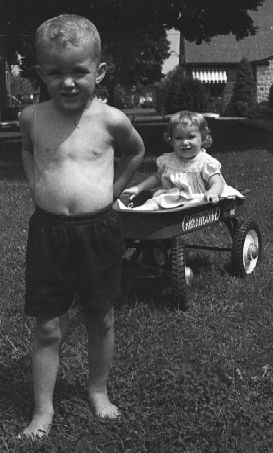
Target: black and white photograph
[{"x": 136, "y": 149}]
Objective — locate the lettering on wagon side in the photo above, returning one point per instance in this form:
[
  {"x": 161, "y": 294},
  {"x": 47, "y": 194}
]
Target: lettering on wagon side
[{"x": 191, "y": 222}]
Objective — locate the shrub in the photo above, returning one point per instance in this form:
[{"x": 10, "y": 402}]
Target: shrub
[
  {"x": 243, "y": 101},
  {"x": 21, "y": 87},
  {"x": 270, "y": 98},
  {"x": 185, "y": 94},
  {"x": 265, "y": 111},
  {"x": 119, "y": 97},
  {"x": 161, "y": 91},
  {"x": 101, "y": 92}
]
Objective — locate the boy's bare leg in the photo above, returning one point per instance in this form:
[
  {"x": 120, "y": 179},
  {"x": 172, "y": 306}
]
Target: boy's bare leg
[
  {"x": 47, "y": 339},
  {"x": 100, "y": 352}
]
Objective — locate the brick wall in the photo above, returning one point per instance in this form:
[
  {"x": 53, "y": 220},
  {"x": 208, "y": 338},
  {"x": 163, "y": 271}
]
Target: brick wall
[
  {"x": 264, "y": 77},
  {"x": 264, "y": 80}
]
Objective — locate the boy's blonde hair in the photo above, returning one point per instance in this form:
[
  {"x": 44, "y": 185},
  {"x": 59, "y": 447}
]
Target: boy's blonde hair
[
  {"x": 68, "y": 30},
  {"x": 188, "y": 118}
]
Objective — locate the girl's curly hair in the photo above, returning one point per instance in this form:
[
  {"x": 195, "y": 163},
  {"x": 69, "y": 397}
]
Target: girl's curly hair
[{"x": 188, "y": 118}]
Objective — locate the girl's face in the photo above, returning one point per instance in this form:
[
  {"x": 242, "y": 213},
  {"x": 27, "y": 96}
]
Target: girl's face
[{"x": 186, "y": 141}]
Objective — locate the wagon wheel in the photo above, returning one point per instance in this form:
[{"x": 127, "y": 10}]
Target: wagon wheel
[
  {"x": 178, "y": 277},
  {"x": 156, "y": 254},
  {"x": 246, "y": 249}
]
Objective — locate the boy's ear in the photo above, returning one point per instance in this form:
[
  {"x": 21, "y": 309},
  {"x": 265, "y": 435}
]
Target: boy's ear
[{"x": 101, "y": 72}]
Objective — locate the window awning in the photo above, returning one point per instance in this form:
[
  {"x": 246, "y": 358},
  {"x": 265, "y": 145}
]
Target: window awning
[{"x": 210, "y": 76}]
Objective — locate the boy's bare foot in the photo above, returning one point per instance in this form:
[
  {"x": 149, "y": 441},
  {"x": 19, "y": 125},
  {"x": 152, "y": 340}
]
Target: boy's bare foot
[
  {"x": 102, "y": 407},
  {"x": 38, "y": 428}
]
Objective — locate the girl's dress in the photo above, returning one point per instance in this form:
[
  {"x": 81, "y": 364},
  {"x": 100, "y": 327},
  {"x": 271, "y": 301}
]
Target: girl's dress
[{"x": 186, "y": 180}]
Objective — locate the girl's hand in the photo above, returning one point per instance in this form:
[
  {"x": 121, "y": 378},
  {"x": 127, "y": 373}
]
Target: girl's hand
[
  {"x": 212, "y": 197},
  {"x": 133, "y": 191},
  {"x": 216, "y": 185}
]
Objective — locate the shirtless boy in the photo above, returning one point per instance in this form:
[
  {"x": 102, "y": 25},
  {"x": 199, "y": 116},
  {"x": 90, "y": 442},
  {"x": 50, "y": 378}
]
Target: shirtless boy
[{"x": 74, "y": 242}]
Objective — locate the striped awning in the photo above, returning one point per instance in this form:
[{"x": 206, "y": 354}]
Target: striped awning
[{"x": 210, "y": 76}]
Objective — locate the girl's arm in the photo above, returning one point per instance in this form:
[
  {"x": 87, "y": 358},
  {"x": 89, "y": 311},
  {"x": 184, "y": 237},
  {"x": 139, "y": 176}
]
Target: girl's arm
[
  {"x": 216, "y": 185},
  {"x": 150, "y": 183}
]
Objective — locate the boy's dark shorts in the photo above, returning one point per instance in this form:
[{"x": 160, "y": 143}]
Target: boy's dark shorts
[{"x": 67, "y": 255}]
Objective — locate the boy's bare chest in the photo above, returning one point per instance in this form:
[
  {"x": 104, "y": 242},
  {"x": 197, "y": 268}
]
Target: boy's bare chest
[{"x": 78, "y": 143}]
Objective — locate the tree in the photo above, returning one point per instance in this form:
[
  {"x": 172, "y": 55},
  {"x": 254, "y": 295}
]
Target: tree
[
  {"x": 270, "y": 98},
  {"x": 135, "y": 49},
  {"x": 199, "y": 20},
  {"x": 138, "y": 59},
  {"x": 243, "y": 101},
  {"x": 133, "y": 31},
  {"x": 185, "y": 94}
]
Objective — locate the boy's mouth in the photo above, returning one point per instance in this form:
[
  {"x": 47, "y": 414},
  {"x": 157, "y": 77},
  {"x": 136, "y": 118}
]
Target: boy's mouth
[{"x": 69, "y": 94}]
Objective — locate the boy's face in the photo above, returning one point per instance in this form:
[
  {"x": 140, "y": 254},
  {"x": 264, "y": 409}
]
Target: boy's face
[
  {"x": 186, "y": 141},
  {"x": 70, "y": 75}
]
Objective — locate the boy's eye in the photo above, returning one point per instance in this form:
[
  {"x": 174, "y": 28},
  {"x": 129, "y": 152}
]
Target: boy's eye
[
  {"x": 80, "y": 71},
  {"x": 52, "y": 73}
]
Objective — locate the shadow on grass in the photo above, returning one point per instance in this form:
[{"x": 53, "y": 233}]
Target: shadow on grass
[
  {"x": 153, "y": 286},
  {"x": 234, "y": 136},
  {"x": 16, "y": 394},
  {"x": 10, "y": 160},
  {"x": 152, "y": 291}
]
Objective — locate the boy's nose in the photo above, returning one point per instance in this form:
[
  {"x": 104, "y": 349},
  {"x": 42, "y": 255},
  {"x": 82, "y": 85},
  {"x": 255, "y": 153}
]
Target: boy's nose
[{"x": 68, "y": 81}]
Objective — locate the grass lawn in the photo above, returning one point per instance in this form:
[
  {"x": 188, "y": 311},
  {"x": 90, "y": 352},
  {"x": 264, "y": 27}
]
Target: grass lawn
[{"x": 192, "y": 382}]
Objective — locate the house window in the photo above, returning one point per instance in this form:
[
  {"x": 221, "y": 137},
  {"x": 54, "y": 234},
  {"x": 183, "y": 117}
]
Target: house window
[
  {"x": 215, "y": 81},
  {"x": 213, "y": 76}
]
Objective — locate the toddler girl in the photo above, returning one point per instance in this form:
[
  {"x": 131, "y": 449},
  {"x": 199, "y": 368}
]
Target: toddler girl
[{"x": 187, "y": 173}]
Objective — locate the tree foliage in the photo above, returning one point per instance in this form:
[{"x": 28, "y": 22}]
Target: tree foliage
[
  {"x": 119, "y": 19},
  {"x": 134, "y": 48},
  {"x": 133, "y": 31}
]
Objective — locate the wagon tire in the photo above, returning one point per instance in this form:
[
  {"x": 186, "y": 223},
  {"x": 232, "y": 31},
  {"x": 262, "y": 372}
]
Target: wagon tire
[
  {"x": 246, "y": 249},
  {"x": 178, "y": 280}
]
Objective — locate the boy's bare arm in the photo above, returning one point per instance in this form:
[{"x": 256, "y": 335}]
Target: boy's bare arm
[
  {"x": 130, "y": 146},
  {"x": 27, "y": 147}
]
